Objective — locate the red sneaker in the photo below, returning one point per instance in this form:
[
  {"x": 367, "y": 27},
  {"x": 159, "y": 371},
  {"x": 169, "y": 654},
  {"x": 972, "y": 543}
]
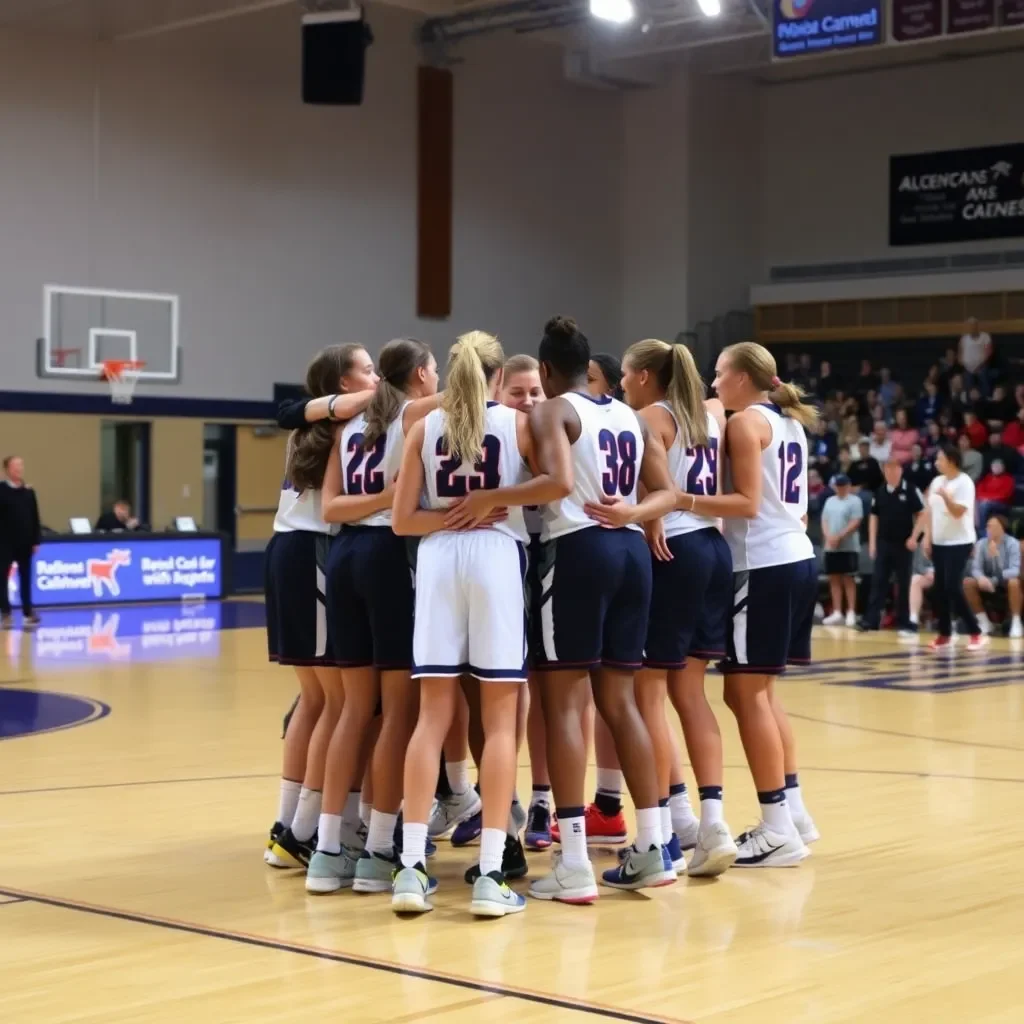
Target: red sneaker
[
  {"x": 602, "y": 829},
  {"x": 939, "y": 643},
  {"x": 977, "y": 642}
]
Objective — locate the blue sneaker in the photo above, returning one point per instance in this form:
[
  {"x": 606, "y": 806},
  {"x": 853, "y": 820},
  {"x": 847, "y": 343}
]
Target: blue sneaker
[
  {"x": 675, "y": 853},
  {"x": 538, "y": 828},
  {"x": 492, "y": 897},
  {"x": 641, "y": 870},
  {"x": 468, "y": 831}
]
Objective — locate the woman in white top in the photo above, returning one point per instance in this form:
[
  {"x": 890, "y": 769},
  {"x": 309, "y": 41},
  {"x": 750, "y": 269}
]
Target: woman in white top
[
  {"x": 340, "y": 381},
  {"x": 949, "y": 541}
]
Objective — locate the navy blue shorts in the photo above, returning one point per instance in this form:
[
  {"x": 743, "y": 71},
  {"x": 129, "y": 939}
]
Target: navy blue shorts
[
  {"x": 370, "y": 598},
  {"x": 596, "y": 597},
  {"x": 532, "y": 593},
  {"x": 772, "y": 617},
  {"x": 690, "y": 601},
  {"x": 293, "y": 584}
]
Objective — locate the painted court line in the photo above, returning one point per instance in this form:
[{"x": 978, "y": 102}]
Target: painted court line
[
  {"x": 349, "y": 959},
  {"x": 906, "y": 735}
]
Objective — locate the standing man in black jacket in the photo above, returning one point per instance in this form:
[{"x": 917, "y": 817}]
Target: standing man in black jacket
[{"x": 19, "y": 538}]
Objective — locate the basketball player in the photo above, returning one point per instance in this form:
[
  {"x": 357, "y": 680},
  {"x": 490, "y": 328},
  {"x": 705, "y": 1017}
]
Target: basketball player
[
  {"x": 597, "y": 582},
  {"x": 370, "y": 606},
  {"x": 296, "y": 616},
  {"x": 692, "y": 588},
  {"x": 775, "y": 586},
  {"x": 469, "y": 602}
]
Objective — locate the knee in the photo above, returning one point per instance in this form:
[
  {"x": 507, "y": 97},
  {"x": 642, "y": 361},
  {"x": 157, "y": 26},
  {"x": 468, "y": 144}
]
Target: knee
[
  {"x": 731, "y": 695},
  {"x": 613, "y": 703},
  {"x": 970, "y": 585}
]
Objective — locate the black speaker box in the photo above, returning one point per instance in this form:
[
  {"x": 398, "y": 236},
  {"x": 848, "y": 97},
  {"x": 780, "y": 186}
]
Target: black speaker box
[{"x": 334, "y": 59}]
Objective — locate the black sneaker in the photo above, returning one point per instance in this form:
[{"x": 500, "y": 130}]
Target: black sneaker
[
  {"x": 294, "y": 852},
  {"x": 513, "y": 862},
  {"x": 863, "y": 627}
]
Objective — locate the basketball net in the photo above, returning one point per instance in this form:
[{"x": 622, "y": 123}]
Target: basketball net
[{"x": 122, "y": 375}]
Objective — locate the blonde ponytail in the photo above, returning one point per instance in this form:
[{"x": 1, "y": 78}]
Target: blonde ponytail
[
  {"x": 759, "y": 364},
  {"x": 472, "y": 362},
  {"x": 676, "y": 373}
]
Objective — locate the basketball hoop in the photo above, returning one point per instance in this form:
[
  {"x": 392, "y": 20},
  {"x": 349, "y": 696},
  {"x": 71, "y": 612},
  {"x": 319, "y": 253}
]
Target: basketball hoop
[{"x": 122, "y": 375}]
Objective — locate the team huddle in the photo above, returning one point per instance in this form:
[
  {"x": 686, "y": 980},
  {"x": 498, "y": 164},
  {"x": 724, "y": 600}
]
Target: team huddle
[{"x": 522, "y": 555}]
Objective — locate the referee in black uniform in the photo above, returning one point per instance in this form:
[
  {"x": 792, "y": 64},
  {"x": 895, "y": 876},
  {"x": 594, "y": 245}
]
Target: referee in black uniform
[{"x": 895, "y": 510}]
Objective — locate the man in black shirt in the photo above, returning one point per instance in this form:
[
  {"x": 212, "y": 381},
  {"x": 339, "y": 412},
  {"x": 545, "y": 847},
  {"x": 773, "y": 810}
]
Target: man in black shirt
[
  {"x": 895, "y": 512},
  {"x": 117, "y": 517},
  {"x": 865, "y": 473},
  {"x": 20, "y": 534}
]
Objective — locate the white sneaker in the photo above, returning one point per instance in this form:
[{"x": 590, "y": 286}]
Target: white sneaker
[
  {"x": 447, "y": 813},
  {"x": 851, "y": 619},
  {"x": 762, "y": 847},
  {"x": 714, "y": 853},
  {"x": 805, "y": 826},
  {"x": 566, "y": 885},
  {"x": 1016, "y": 629},
  {"x": 984, "y": 625},
  {"x": 835, "y": 619},
  {"x": 687, "y": 830}
]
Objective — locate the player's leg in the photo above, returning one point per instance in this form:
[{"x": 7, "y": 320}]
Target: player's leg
[{"x": 463, "y": 801}]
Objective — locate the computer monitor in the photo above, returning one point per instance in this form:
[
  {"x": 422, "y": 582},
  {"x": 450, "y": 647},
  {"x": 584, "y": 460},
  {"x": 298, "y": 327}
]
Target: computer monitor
[
  {"x": 79, "y": 524},
  {"x": 185, "y": 524}
]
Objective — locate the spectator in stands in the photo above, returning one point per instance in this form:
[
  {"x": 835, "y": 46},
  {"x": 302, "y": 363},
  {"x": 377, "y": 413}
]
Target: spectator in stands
[
  {"x": 1013, "y": 435},
  {"x": 975, "y": 429},
  {"x": 949, "y": 366},
  {"x": 995, "y": 571},
  {"x": 920, "y": 471},
  {"x": 888, "y": 389},
  {"x": 994, "y": 493},
  {"x": 805, "y": 376},
  {"x": 895, "y": 523},
  {"x": 118, "y": 517},
  {"x": 865, "y": 472},
  {"x": 827, "y": 381},
  {"x": 1018, "y": 396},
  {"x": 867, "y": 380},
  {"x": 20, "y": 534},
  {"x": 849, "y": 435},
  {"x": 999, "y": 410},
  {"x": 817, "y": 493},
  {"x": 880, "y": 446},
  {"x": 866, "y": 411},
  {"x": 903, "y": 437},
  {"x": 822, "y": 448},
  {"x": 959, "y": 400},
  {"x": 921, "y": 580},
  {"x": 840, "y": 525},
  {"x": 971, "y": 460},
  {"x": 975, "y": 355},
  {"x": 998, "y": 449},
  {"x": 932, "y": 439},
  {"x": 929, "y": 405}
]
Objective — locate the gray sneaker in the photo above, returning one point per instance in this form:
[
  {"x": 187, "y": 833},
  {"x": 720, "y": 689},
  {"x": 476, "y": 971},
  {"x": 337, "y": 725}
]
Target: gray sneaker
[
  {"x": 410, "y": 890},
  {"x": 492, "y": 897},
  {"x": 638, "y": 870},
  {"x": 375, "y": 872},
  {"x": 565, "y": 884},
  {"x": 447, "y": 813},
  {"x": 714, "y": 853},
  {"x": 329, "y": 872}
]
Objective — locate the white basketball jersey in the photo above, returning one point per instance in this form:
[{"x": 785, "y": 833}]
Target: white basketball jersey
[
  {"x": 606, "y": 461},
  {"x": 300, "y": 511},
  {"x": 369, "y": 470},
  {"x": 446, "y": 479},
  {"x": 776, "y": 535},
  {"x": 694, "y": 471}
]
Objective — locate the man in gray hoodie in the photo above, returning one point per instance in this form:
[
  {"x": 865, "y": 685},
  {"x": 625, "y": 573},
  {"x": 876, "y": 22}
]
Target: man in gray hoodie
[{"x": 995, "y": 569}]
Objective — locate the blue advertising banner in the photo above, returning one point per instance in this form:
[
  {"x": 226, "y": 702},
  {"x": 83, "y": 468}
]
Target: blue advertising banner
[
  {"x": 803, "y": 27},
  {"x": 122, "y": 568}
]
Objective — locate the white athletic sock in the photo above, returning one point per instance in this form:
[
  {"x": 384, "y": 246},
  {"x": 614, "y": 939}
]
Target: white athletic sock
[
  {"x": 574, "y": 841},
  {"x": 665, "y": 812},
  {"x": 363, "y": 810},
  {"x": 458, "y": 776},
  {"x": 794, "y": 797},
  {"x": 1013, "y": 622},
  {"x": 648, "y": 828},
  {"x": 414, "y": 844},
  {"x": 913, "y": 620},
  {"x": 382, "y": 833},
  {"x": 609, "y": 780},
  {"x": 288, "y": 800},
  {"x": 492, "y": 848},
  {"x": 352, "y": 820},
  {"x": 541, "y": 796},
  {"x": 679, "y": 805},
  {"x": 777, "y": 817},
  {"x": 328, "y": 834},
  {"x": 711, "y": 811},
  {"x": 306, "y": 814}
]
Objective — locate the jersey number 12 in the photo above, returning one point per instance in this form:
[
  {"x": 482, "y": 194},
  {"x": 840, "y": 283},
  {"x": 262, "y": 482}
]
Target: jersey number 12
[{"x": 791, "y": 464}]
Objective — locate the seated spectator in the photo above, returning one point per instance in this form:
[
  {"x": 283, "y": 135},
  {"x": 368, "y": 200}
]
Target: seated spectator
[
  {"x": 959, "y": 400},
  {"x": 903, "y": 437},
  {"x": 888, "y": 389},
  {"x": 933, "y": 439},
  {"x": 975, "y": 429},
  {"x": 805, "y": 376},
  {"x": 118, "y": 517},
  {"x": 929, "y": 405},
  {"x": 1013, "y": 435},
  {"x": 867, "y": 380},
  {"x": 922, "y": 579},
  {"x": 841, "y": 517},
  {"x": 828, "y": 383},
  {"x": 975, "y": 355},
  {"x": 994, "y": 495},
  {"x": 880, "y": 446},
  {"x": 817, "y": 493},
  {"x": 879, "y": 414},
  {"x": 999, "y": 410},
  {"x": 972, "y": 462},
  {"x": 822, "y": 448},
  {"x": 865, "y": 472},
  {"x": 845, "y": 462},
  {"x": 866, "y": 411},
  {"x": 919, "y": 471},
  {"x": 995, "y": 570},
  {"x": 998, "y": 450},
  {"x": 849, "y": 435},
  {"x": 949, "y": 367}
]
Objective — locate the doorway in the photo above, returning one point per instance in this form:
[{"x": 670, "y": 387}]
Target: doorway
[
  {"x": 124, "y": 466},
  {"x": 219, "y": 458}
]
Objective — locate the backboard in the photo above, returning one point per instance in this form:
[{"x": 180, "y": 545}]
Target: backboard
[{"x": 84, "y": 326}]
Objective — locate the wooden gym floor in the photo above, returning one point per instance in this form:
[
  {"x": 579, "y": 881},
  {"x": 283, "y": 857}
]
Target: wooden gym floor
[{"x": 138, "y": 776}]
